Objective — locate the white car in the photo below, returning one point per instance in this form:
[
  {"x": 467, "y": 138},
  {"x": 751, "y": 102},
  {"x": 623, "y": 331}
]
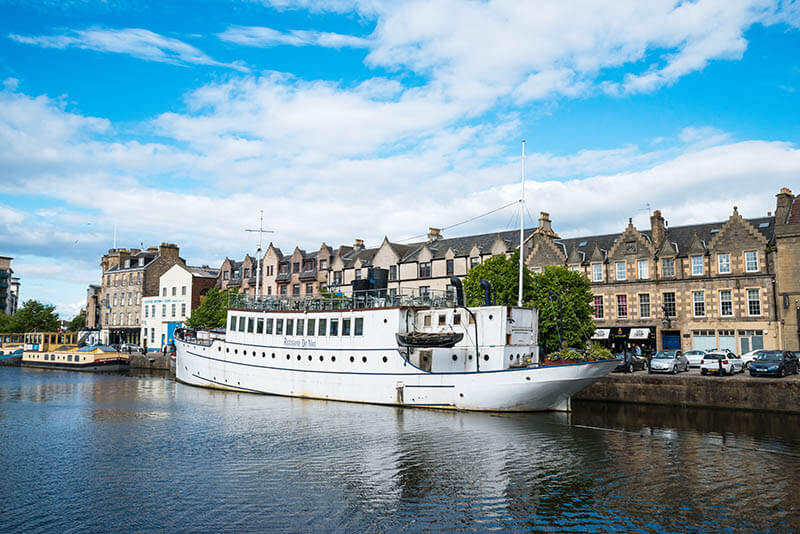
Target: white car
[
  {"x": 694, "y": 357},
  {"x": 728, "y": 361},
  {"x": 750, "y": 356}
]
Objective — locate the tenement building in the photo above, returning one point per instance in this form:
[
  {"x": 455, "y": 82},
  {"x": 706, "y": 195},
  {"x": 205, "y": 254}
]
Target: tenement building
[
  {"x": 128, "y": 276},
  {"x": 241, "y": 275},
  {"x": 787, "y": 267}
]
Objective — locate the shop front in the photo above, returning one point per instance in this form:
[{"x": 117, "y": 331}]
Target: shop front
[{"x": 620, "y": 338}]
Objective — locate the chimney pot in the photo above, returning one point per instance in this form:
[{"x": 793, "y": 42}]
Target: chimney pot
[
  {"x": 434, "y": 233},
  {"x": 358, "y": 244}
]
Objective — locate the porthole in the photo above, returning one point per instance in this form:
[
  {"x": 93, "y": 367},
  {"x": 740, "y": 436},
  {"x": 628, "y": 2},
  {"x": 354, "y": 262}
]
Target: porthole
[
  {"x": 510, "y": 356},
  {"x": 527, "y": 378},
  {"x": 244, "y": 353},
  {"x": 385, "y": 321},
  {"x": 263, "y": 354},
  {"x": 333, "y": 358},
  {"x": 288, "y": 356},
  {"x": 298, "y": 357},
  {"x": 460, "y": 394},
  {"x": 227, "y": 349},
  {"x": 322, "y": 358},
  {"x": 385, "y": 359},
  {"x": 219, "y": 349},
  {"x": 352, "y": 359},
  {"x": 364, "y": 359},
  {"x": 309, "y": 357},
  {"x": 486, "y": 357},
  {"x": 491, "y": 316},
  {"x": 273, "y": 355},
  {"x": 470, "y": 357},
  {"x": 455, "y": 357}
]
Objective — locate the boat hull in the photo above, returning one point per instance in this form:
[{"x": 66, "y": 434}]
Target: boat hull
[
  {"x": 105, "y": 366},
  {"x": 507, "y": 390},
  {"x": 10, "y": 361}
]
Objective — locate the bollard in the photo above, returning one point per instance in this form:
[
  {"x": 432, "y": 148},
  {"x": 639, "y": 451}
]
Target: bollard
[{"x": 720, "y": 367}]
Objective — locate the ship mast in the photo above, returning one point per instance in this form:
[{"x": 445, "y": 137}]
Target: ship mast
[
  {"x": 261, "y": 233},
  {"x": 521, "y": 226}
]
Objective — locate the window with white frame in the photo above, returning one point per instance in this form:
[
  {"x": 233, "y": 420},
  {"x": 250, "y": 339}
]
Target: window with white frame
[
  {"x": 622, "y": 306},
  {"x": 644, "y": 305},
  {"x": 697, "y": 265},
  {"x": 475, "y": 260},
  {"x": 751, "y": 261},
  {"x": 699, "y": 303},
  {"x": 597, "y": 272},
  {"x": 753, "y": 302},
  {"x": 644, "y": 269},
  {"x": 667, "y": 266},
  {"x": 620, "y": 269},
  {"x": 598, "y": 307},
  {"x": 726, "y": 303},
  {"x": 537, "y": 270},
  {"x": 183, "y": 310},
  {"x": 724, "y": 263}
]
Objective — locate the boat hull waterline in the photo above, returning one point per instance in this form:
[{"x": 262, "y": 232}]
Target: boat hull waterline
[{"x": 509, "y": 390}]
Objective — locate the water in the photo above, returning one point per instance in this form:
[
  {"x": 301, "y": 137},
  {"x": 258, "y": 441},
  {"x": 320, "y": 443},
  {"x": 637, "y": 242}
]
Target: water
[{"x": 84, "y": 452}]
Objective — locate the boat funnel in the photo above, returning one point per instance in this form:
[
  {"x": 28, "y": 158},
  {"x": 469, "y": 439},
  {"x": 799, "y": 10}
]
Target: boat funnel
[{"x": 456, "y": 283}]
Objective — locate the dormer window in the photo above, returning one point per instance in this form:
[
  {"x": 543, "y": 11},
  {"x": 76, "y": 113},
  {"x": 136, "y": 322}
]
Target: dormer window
[
  {"x": 141, "y": 262},
  {"x": 127, "y": 264},
  {"x": 697, "y": 265}
]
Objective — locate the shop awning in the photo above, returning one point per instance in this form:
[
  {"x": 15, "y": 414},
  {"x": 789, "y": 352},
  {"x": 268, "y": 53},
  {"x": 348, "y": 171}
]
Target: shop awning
[
  {"x": 639, "y": 333},
  {"x": 601, "y": 333}
]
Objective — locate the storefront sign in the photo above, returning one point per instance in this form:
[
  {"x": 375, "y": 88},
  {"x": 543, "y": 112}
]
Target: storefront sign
[
  {"x": 639, "y": 333},
  {"x": 601, "y": 333}
]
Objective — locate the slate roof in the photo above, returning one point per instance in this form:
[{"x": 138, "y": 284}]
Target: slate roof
[
  {"x": 794, "y": 211},
  {"x": 203, "y": 272},
  {"x": 679, "y": 236}
]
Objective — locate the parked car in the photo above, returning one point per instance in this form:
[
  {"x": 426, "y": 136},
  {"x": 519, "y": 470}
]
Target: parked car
[
  {"x": 630, "y": 362},
  {"x": 748, "y": 357},
  {"x": 694, "y": 357},
  {"x": 729, "y": 362},
  {"x": 130, "y": 347},
  {"x": 775, "y": 363},
  {"x": 668, "y": 361}
]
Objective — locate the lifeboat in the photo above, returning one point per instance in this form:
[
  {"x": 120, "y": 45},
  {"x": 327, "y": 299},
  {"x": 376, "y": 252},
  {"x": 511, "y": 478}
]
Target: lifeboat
[{"x": 444, "y": 340}]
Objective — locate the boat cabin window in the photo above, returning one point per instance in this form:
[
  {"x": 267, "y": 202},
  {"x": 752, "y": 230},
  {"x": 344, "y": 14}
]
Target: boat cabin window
[
  {"x": 426, "y": 320},
  {"x": 289, "y": 327},
  {"x": 233, "y": 323},
  {"x": 442, "y": 319},
  {"x": 69, "y": 358},
  {"x": 242, "y": 322},
  {"x": 260, "y": 325},
  {"x": 269, "y": 325},
  {"x": 279, "y": 327},
  {"x": 359, "y": 326},
  {"x": 300, "y": 327},
  {"x": 311, "y": 325},
  {"x": 345, "y": 327},
  {"x": 334, "y": 327},
  {"x": 322, "y": 327},
  {"x": 250, "y": 325},
  {"x": 456, "y": 318}
]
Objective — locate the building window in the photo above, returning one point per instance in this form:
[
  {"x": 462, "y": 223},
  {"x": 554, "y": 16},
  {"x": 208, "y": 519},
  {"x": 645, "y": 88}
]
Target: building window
[
  {"x": 250, "y": 325},
  {"x": 699, "y": 303},
  {"x": 289, "y": 327},
  {"x": 622, "y": 306},
  {"x": 309, "y": 289},
  {"x": 620, "y": 267},
  {"x": 537, "y": 270},
  {"x": 667, "y": 267},
  {"x": 358, "y": 326},
  {"x": 357, "y": 274},
  {"x": 183, "y": 291},
  {"x": 115, "y": 299},
  {"x": 669, "y": 305},
  {"x": 697, "y": 265},
  {"x": 425, "y": 270},
  {"x": 242, "y": 323},
  {"x": 163, "y": 310},
  {"x": 424, "y": 291},
  {"x": 393, "y": 272},
  {"x": 644, "y": 269},
  {"x": 474, "y": 261},
  {"x": 279, "y": 327},
  {"x": 724, "y": 263},
  {"x": 337, "y": 278},
  {"x": 751, "y": 261},
  {"x": 574, "y": 268},
  {"x": 163, "y": 291},
  {"x": 598, "y": 307},
  {"x": 753, "y": 302},
  {"x": 284, "y": 268},
  {"x": 146, "y": 310},
  {"x": 323, "y": 264},
  {"x": 726, "y": 303},
  {"x": 597, "y": 272},
  {"x": 450, "y": 267},
  {"x": 283, "y": 291},
  {"x": 644, "y": 305},
  {"x": 226, "y": 275},
  {"x": 296, "y": 267},
  {"x": 450, "y": 292},
  {"x": 173, "y": 310},
  {"x": 334, "y": 327},
  {"x": 295, "y": 290},
  {"x": 174, "y": 291},
  {"x": 183, "y": 310}
]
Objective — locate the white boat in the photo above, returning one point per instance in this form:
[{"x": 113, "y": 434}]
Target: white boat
[{"x": 348, "y": 350}]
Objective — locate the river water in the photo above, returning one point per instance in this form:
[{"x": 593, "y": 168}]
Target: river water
[{"x": 83, "y": 452}]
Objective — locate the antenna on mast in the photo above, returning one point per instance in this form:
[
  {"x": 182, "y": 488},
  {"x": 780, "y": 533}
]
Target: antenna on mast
[
  {"x": 521, "y": 226},
  {"x": 261, "y": 233}
]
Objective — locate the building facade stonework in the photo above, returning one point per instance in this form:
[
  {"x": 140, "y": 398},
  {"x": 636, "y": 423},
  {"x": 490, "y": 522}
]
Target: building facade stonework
[{"x": 787, "y": 266}]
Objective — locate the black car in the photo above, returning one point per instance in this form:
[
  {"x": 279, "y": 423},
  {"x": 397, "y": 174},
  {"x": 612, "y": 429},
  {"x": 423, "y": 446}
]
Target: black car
[
  {"x": 774, "y": 363},
  {"x": 630, "y": 362}
]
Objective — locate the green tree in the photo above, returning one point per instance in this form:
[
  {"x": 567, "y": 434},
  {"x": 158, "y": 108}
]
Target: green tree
[
  {"x": 7, "y": 324},
  {"x": 77, "y": 323},
  {"x": 35, "y": 316},
  {"x": 574, "y": 290},
  {"x": 213, "y": 311},
  {"x": 539, "y": 291}
]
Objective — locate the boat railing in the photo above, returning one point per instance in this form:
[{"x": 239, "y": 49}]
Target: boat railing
[{"x": 372, "y": 298}]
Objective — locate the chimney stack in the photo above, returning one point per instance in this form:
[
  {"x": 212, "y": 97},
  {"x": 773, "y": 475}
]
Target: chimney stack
[
  {"x": 544, "y": 222},
  {"x": 784, "y": 202},
  {"x": 434, "y": 234},
  {"x": 658, "y": 228},
  {"x": 358, "y": 244},
  {"x": 168, "y": 250}
]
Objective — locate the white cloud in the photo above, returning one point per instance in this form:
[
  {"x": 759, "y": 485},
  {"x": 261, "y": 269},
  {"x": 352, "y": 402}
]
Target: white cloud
[
  {"x": 265, "y": 37},
  {"x": 139, "y": 43}
]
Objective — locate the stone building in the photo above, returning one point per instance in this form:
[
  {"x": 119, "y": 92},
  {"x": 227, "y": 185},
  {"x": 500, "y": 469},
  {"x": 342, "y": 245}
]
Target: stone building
[
  {"x": 787, "y": 267},
  {"x": 241, "y": 275},
  {"x": 299, "y": 274},
  {"x": 9, "y": 287},
  {"x": 93, "y": 306},
  {"x": 128, "y": 276},
  {"x": 701, "y": 286}
]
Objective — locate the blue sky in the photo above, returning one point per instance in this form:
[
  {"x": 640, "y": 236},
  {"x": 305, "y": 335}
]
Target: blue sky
[{"x": 357, "y": 119}]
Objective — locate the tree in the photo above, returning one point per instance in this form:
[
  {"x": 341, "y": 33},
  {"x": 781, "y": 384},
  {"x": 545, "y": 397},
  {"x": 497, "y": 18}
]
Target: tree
[
  {"x": 35, "y": 316},
  {"x": 540, "y": 291},
  {"x": 7, "y": 324},
  {"x": 77, "y": 323},
  {"x": 213, "y": 311},
  {"x": 574, "y": 290}
]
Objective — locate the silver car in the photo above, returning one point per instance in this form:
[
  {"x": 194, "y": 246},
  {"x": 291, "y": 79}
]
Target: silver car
[
  {"x": 694, "y": 357},
  {"x": 668, "y": 361}
]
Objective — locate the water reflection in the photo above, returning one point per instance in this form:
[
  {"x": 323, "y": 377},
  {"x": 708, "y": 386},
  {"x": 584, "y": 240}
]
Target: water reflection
[{"x": 106, "y": 452}]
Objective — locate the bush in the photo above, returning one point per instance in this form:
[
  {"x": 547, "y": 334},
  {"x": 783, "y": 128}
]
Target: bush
[{"x": 594, "y": 352}]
